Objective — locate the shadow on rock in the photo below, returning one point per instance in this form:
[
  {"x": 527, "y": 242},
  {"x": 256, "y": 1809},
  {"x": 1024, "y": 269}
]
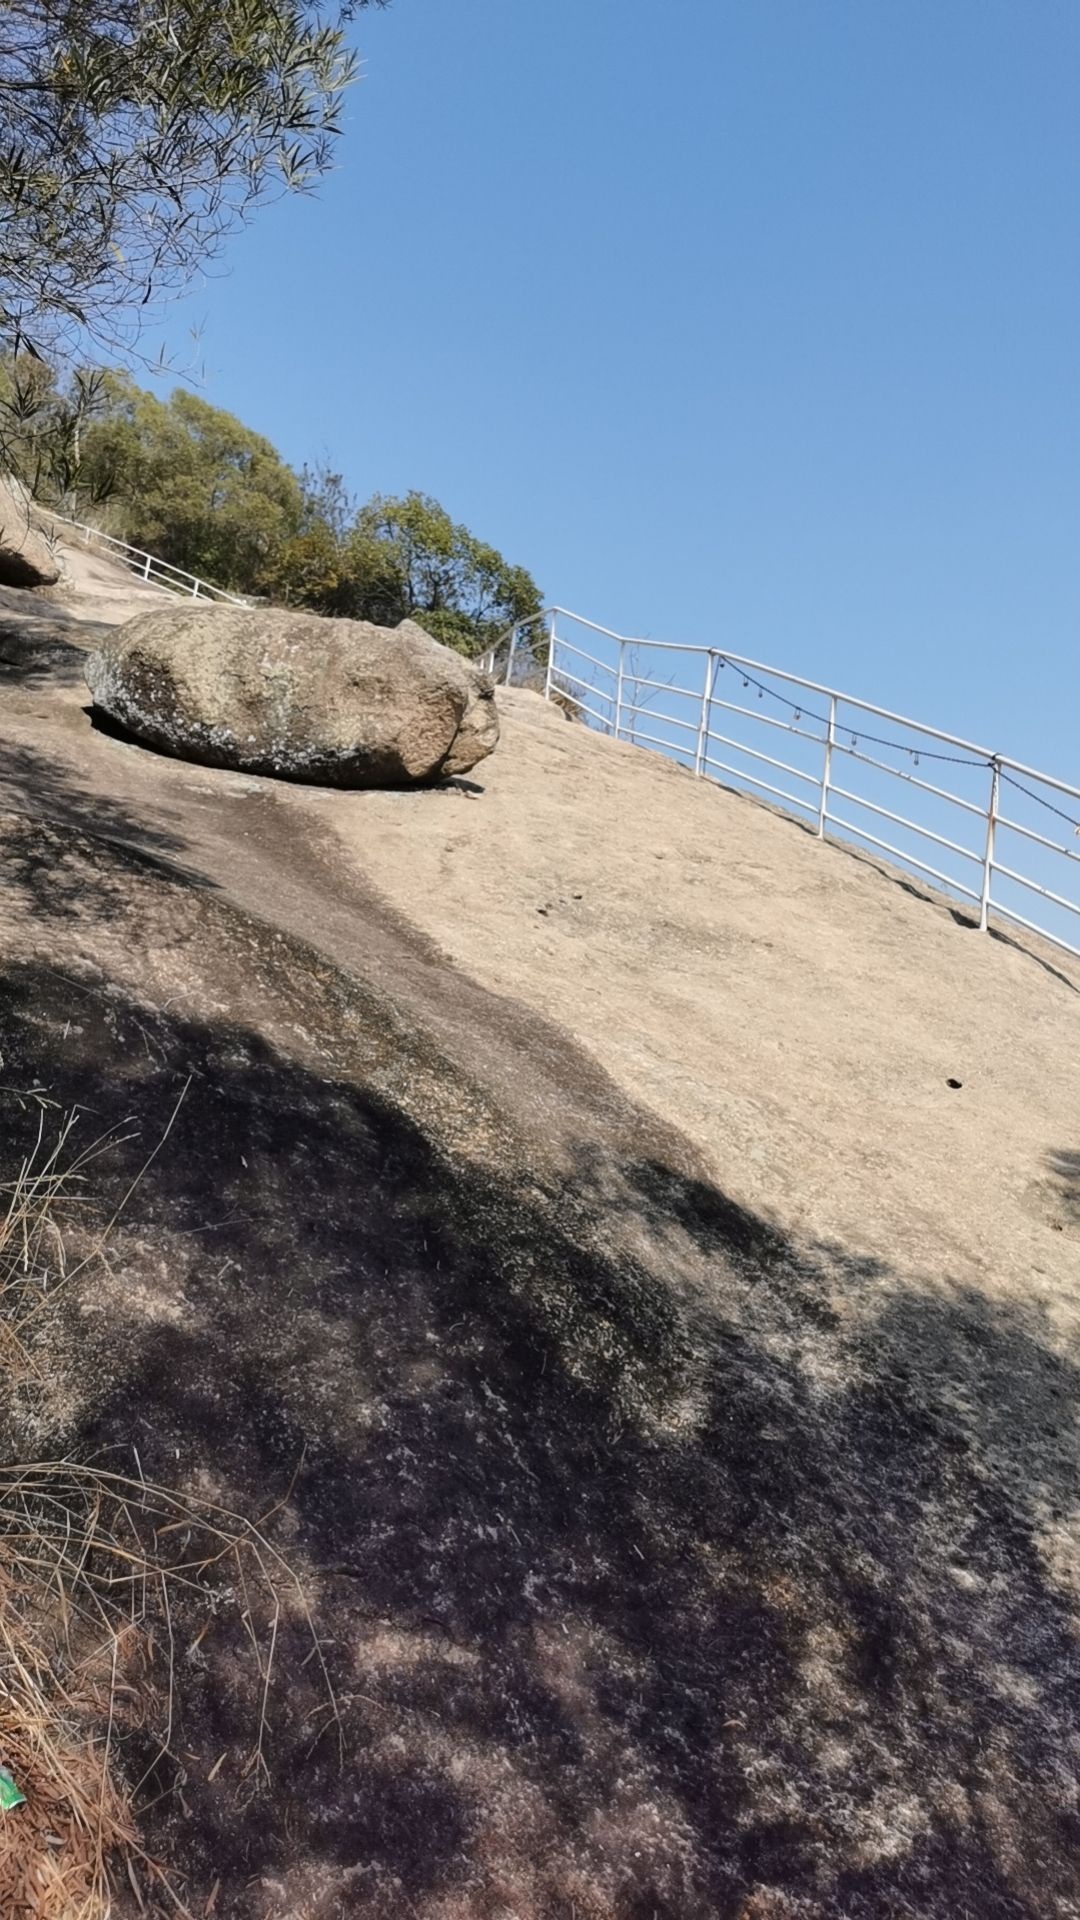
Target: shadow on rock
[
  {"x": 45, "y": 860},
  {"x": 35, "y": 648},
  {"x": 650, "y": 1585}
]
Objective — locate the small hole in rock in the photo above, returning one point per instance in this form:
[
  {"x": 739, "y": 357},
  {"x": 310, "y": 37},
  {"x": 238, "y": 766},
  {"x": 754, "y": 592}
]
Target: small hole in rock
[{"x": 954, "y": 1083}]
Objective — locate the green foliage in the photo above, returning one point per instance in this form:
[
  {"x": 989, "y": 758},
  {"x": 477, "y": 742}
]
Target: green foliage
[
  {"x": 400, "y": 559},
  {"x": 42, "y": 430},
  {"x": 190, "y": 483},
  {"x": 409, "y": 560},
  {"x": 307, "y": 571},
  {"x": 133, "y": 137}
]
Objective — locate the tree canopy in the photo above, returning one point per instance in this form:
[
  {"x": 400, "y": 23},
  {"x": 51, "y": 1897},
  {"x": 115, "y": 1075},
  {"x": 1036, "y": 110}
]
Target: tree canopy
[
  {"x": 134, "y": 137},
  {"x": 41, "y": 425},
  {"x": 191, "y": 483},
  {"x": 405, "y": 558}
]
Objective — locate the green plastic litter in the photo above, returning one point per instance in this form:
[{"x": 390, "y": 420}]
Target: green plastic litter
[{"x": 9, "y": 1793}]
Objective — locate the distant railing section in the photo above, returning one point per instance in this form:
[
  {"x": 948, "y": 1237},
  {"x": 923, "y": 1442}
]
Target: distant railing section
[
  {"x": 990, "y": 830},
  {"x": 148, "y": 567}
]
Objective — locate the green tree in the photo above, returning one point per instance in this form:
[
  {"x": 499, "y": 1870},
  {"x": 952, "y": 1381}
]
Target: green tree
[
  {"x": 312, "y": 568},
  {"x": 398, "y": 559},
  {"x": 43, "y": 423},
  {"x": 409, "y": 559},
  {"x": 133, "y": 137},
  {"x": 192, "y": 484}
]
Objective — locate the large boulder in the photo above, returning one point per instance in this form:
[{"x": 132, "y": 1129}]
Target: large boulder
[
  {"x": 27, "y": 558},
  {"x": 340, "y": 702}
]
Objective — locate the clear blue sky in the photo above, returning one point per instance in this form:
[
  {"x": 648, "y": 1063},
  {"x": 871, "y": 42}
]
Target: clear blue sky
[{"x": 749, "y": 321}]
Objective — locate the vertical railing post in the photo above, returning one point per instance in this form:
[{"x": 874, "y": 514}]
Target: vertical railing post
[
  {"x": 510, "y": 656},
  {"x": 826, "y": 772},
  {"x": 619, "y": 687},
  {"x": 988, "y": 853},
  {"x": 146, "y": 568},
  {"x": 706, "y": 705},
  {"x": 195, "y": 591},
  {"x": 551, "y": 655}
]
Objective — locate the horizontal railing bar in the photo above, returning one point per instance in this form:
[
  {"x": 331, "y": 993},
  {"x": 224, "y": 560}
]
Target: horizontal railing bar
[
  {"x": 1032, "y": 773},
  {"x": 979, "y": 754},
  {"x": 817, "y": 686},
  {"x": 125, "y": 548},
  {"x": 906, "y": 859},
  {"x": 633, "y": 737},
  {"x": 563, "y": 673},
  {"x": 929, "y": 786},
  {"x": 161, "y": 566},
  {"x": 867, "y": 706},
  {"x": 1033, "y": 926},
  {"x": 608, "y": 632},
  {"x": 180, "y": 582},
  {"x": 113, "y": 540},
  {"x": 601, "y": 718},
  {"x": 810, "y": 686},
  {"x": 1059, "y": 900},
  {"x": 900, "y": 773},
  {"x": 738, "y": 773},
  {"x": 662, "y": 686},
  {"x": 844, "y": 716},
  {"x": 668, "y": 719},
  {"x": 726, "y": 741},
  {"x": 165, "y": 566},
  {"x": 582, "y": 655},
  {"x": 176, "y": 582},
  {"x": 638, "y": 639},
  {"x": 899, "y": 821},
  {"x": 1029, "y": 834},
  {"x": 767, "y": 720}
]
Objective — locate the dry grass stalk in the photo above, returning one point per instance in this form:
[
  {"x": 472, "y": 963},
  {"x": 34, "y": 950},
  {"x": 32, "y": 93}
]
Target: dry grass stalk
[{"x": 91, "y": 1563}]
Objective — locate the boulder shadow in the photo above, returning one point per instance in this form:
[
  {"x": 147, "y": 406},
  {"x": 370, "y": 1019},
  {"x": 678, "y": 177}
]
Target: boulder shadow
[{"x": 112, "y": 729}]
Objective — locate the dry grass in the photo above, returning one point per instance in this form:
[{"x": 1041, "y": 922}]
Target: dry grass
[{"x": 94, "y": 1569}]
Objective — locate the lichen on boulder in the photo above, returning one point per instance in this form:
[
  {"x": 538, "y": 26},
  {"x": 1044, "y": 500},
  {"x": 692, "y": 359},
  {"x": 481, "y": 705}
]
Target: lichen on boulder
[{"x": 340, "y": 703}]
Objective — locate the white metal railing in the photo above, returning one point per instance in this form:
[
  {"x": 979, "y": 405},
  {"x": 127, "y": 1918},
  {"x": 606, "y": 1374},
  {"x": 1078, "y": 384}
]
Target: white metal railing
[
  {"x": 986, "y": 827},
  {"x": 148, "y": 567}
]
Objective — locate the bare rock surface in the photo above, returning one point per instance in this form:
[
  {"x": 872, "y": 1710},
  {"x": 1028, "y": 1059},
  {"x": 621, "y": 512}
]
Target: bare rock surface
[
  {"x": 340, "y": 703},
  {"x": 561, "y": 1220},
  {"x": 27, "y": 558}
]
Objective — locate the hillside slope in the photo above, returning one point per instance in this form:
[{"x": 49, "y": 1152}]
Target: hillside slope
[
  {"x": 796, "y": 1008},
  {"x": 673, "y": 1379}
]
